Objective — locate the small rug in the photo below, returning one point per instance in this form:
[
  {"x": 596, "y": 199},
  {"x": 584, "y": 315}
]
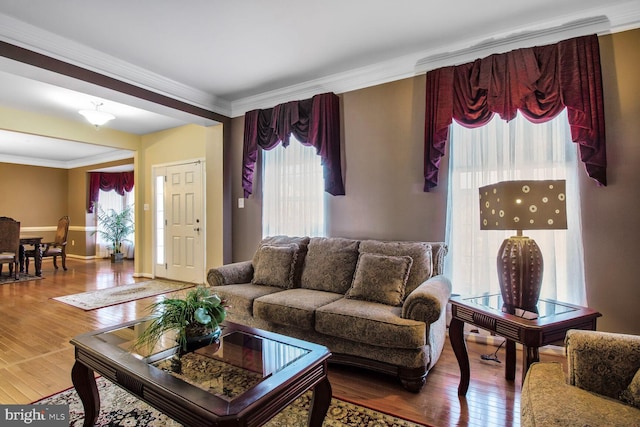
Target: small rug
[
  {"x": 6, "y": 279},
  {"x": 119, "y": 294},
  {"x": 119, "y": 408}
]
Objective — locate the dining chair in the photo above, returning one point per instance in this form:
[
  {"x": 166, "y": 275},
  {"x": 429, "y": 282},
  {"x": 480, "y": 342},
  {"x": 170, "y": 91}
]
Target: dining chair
[
  {"x": 55, "y": 249},
  {"x": 10, "y": 245}
]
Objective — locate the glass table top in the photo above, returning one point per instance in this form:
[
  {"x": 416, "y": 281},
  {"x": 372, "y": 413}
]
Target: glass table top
[
  {"x": 227, "y": 368},
  {"x": 545, "y": 307}
]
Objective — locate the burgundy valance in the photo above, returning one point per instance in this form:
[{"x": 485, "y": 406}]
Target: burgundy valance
[
  {"x": 121, "y": 182},
  {"x": 314, "y": 122},
  {"x": 539, "y": 82}
]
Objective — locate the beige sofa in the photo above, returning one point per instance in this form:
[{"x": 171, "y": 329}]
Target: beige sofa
[
  {"x": 374, "y": 304},
  {"x": 602, "y": 388}
]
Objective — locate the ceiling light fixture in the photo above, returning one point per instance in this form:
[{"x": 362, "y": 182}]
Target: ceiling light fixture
[{"x": 97, "y": 117}]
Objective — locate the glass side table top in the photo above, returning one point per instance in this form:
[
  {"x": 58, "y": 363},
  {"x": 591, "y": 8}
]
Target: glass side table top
[
  {"x": 546, "y": 307},
  {"x": 227, "y": 368}
]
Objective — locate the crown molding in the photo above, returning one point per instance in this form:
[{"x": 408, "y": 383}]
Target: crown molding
[
  {"x": 86, "y": 161},
  {"x": 602, "y": 20},
  {"x": 33, "y": 38}
]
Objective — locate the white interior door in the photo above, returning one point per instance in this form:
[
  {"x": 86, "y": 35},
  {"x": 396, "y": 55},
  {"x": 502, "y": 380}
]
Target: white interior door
[{"x": 184, "y": 223}]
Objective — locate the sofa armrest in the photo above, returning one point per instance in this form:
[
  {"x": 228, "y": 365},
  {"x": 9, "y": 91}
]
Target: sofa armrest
[
  {"x": 602, "y": 362},
  {"x": 237, "y": 272},
  {"x": 428, "y": 301}
]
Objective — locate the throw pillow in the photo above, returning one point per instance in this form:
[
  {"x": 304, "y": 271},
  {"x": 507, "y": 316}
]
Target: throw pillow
[
  {"x": 380, "y": 278},
  {"x": 631, "y": 395},
  {"x": 330, "y": 264},
  {"x": 420, "y": 253},
  {"x": 302, "y": 243},
  {"x": 276, "y": 266}
]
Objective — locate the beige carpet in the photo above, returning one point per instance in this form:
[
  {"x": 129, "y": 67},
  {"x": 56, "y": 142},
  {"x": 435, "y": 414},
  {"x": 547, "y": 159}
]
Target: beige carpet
[
  {"x": 119, "y": 408},
  {"x": 117, "y": 295}
]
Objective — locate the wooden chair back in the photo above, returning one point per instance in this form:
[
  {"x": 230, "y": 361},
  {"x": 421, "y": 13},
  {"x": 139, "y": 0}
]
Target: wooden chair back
[{"x": 9, "y": 244}]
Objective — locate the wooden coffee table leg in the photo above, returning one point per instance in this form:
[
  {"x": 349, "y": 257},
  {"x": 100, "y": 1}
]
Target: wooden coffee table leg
[
  {"x": 456, "y": 336},
  {"x": 85, "y": 384},
  {"x": 320, "y": 403},
  {"x": 510, "y": 365},
  {"x": 530, "y": 355}
]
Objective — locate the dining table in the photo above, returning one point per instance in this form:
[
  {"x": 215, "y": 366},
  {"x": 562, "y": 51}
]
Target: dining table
[{"x": 36, "y": 242}]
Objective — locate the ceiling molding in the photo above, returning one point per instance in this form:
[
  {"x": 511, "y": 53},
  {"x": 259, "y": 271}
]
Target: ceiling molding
[
  {"x": 21, "y": 34},
  {"x": 601, "y": 20},
  {"x": 71, "y": 164}
]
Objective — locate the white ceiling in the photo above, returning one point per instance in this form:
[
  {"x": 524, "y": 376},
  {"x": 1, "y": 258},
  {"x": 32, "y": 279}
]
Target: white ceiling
[{"x": 233, "y": 56}]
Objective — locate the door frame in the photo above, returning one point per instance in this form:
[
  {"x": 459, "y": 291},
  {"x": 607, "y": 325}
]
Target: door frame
[{"x": 154, "y": 174}]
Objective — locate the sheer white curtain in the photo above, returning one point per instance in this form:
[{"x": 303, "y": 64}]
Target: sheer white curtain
[
  {"x": 112, "y": 200},
  {"x": 293, "y": 200},
  {"x": 503, "y": 151}
]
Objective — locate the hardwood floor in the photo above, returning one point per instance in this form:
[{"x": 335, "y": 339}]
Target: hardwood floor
[{"x": 36, "y": 357}]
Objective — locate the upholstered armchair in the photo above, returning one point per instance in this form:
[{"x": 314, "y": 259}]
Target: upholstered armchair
[
  {"x": 602, "y": 387},
  {"x": 10, "y": 245},
  {"x": 55, "y": 249}
]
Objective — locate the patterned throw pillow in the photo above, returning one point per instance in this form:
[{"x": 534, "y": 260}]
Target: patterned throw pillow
[
  {"x": 420, "y": 253},
  {"x": 302, "y": 243},
  {"x": 330, "y": 264},
  {"x": 631, "y": 395},
  {"x": 380, "y": 278},
  {"x": 276, "y": 266}
]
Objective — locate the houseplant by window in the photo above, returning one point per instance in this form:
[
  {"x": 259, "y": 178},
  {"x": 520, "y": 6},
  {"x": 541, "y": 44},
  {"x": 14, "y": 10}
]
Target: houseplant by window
[
  {"x": 196, "y": 319},
  {"x": 114, "y": 227}
]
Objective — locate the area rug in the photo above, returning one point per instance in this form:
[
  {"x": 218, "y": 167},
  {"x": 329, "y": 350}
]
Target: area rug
[
  {"x": 119, "y": 408},
  {"x": 117, "y": 295},
  {"x": 6, "y": 279}
]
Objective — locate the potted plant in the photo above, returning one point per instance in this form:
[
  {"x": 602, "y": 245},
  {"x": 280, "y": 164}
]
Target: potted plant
[
  {"x": 114, "y": 228},
  {"x": 196, "y": 318}
]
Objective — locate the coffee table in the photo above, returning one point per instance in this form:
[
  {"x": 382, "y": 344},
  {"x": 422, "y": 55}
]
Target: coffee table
[
  {"x": 533, "y": 330},
  {"x": 245, "y": 379}
]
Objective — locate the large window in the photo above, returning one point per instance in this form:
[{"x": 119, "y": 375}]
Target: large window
[
  {"x": 503, "y": 151},
  {"x": 293, "y": 199}
]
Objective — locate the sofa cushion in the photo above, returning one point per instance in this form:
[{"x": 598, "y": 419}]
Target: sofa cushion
[
  {"x": 293, "y": 307},
  {"x": 329, "y": 264},
  {"x": 302, "y": 243},
  {"x": 380, "y": 278},
  {"x": 276, "y": 266},
  {"x": 420, "y": 253},
  {"x": 239, "y": 298},
  {"x": 631, "y": 394},
  {"x": 371, "y": 323}
]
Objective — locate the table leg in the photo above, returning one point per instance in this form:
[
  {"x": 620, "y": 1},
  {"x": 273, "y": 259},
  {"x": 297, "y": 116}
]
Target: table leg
[
  {"x": 37, "y": 260},
  {"x": 85, "y": 385},
  {"x": 21, "y": 257},
  {"x": 529, "y": 356},
  {"x": 510, "y": 365},
  {"x": 456, "y": 336},
  {"x": 320, "y": 403}
]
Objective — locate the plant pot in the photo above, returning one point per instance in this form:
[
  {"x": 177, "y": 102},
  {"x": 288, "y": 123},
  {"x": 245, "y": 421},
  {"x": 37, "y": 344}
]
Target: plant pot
[
  {"x": 195, "y": 342},
  {"x": 117, "y": 257}
]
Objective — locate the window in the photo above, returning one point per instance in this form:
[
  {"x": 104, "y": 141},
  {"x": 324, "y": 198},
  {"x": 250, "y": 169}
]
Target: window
[
  {"x": 112, "y": 200},
  {"x": 503, "y": 151},
  {"x": 292, "y": 191}
]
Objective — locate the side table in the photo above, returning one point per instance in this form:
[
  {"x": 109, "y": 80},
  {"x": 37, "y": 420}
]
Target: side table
[{"x": 532, "y": 330}]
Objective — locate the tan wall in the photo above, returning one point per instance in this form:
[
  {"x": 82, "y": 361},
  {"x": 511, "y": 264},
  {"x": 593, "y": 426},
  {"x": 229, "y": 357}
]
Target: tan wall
[
  {"x": 382, "y": 130},
  {"x": 185, "y": 143}
]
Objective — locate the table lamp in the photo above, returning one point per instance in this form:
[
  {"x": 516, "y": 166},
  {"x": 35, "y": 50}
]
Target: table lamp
[{"x": 522, "y": 205}]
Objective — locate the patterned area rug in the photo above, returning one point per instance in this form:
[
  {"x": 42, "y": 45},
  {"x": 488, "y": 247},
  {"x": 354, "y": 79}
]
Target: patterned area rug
[
  {"x": 119, "y": 294},
  {"x": 6, "y": 279},
  {"x": 119, "y": 408}
]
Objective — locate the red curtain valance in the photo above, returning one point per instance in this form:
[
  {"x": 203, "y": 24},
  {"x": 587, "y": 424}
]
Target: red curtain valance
[
  {"x": 539, "y": 82},
  {"x": 121, "y": 182},
  {"x": 314, "y": 122}
]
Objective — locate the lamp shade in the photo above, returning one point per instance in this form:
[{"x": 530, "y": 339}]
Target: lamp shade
[{"x": 523, "y": 205}]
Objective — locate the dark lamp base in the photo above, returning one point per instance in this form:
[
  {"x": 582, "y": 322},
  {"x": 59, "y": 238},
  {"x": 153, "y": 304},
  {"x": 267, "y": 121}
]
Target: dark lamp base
[{"x": 520, "y": 269}]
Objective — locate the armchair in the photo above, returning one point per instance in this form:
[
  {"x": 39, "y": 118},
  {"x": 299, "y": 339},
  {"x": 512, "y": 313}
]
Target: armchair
[
  {"x": 10, "y": 245},
  {"x": 602, "y": 387},
  {"x": 54, "y": 249}
]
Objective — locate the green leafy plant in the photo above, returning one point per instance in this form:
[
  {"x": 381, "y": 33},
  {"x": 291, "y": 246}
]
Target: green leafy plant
[
  {"x": 115, "y": 226},
  {"x": 200, "y": 312}
]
